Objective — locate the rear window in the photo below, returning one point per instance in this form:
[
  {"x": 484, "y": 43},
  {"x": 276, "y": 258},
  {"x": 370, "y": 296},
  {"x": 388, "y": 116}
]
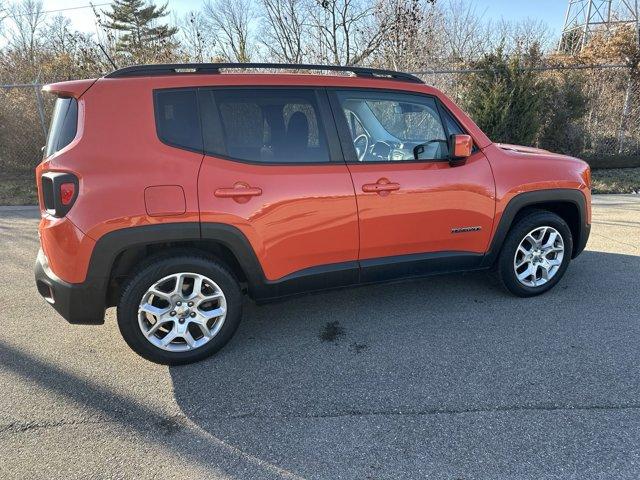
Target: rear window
[
  {"x": 177, "y": 120},
  {"x": 64, "y": 124}
]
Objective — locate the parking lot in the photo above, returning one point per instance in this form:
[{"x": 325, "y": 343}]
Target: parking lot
[{"x": 446, "y": 378}]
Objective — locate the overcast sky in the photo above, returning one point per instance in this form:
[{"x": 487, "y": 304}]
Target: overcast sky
[{"x": 551, "y": 11}]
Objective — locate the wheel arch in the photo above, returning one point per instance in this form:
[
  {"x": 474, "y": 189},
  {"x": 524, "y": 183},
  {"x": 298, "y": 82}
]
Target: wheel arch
[
  {"x": 119, "y": 253},
  {"x": 569, "y": 204}
]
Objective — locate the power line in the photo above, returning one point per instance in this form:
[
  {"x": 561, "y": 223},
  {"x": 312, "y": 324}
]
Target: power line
[{"x": 60, "y": 9}]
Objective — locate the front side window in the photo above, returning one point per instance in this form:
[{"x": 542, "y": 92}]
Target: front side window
[
  {"x": 264, "y": 125},
  {"x": 393, "y": 126}
]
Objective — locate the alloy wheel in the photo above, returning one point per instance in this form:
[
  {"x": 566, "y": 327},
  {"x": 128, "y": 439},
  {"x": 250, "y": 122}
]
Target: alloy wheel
[
  {"x": 182, "y": 312},
  {"x": 538, "y": 256}
]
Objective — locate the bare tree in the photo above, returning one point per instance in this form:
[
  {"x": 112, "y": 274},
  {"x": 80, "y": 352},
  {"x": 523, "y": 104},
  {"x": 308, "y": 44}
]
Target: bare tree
[
  {"x": 283, "y": 30},
  {"x": 520, "y": 36},
  {"x": 26, "y": 20},
  {"x": 196, "y": 38},
  {"x": 231, "y": 20},
  {"x": 465, "y": 35},
  {"x": 345, "y": 32},
  {"x": 410, "y": 39}
]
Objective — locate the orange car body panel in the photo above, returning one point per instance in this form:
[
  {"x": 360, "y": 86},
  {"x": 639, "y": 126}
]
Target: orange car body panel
[
  {"x": 307, "y": 215},
  {"x": 433, "y": 198}
]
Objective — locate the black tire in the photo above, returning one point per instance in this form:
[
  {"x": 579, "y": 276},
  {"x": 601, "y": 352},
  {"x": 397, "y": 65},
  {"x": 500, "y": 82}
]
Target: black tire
[
  {"x": 156, "y": 269},
  {"x": 505, "y": 264}
]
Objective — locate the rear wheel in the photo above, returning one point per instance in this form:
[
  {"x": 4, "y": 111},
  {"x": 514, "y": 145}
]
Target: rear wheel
[
  {"x": 535, "y": 254},
  {"x": 180, "y": 310}
]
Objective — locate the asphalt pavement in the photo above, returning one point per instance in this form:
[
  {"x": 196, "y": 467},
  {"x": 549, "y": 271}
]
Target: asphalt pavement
[{"x": 442, "y": 378}]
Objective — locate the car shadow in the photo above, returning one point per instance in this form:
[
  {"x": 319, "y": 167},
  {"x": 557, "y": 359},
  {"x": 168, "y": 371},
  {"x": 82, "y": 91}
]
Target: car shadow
[{"x": 339, "y": 382}]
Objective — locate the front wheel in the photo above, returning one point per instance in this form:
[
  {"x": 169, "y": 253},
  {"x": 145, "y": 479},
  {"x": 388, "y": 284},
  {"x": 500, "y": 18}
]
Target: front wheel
[
  {"x": 180, "y": 310},
  {"x": 535, "y": 254}
]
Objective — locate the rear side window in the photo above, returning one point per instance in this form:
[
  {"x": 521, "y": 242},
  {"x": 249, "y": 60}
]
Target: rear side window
[
  {"x": 177, "y": 118},
  {"x": 264, "y": 125},
  {"x": 64, "y": 124}
]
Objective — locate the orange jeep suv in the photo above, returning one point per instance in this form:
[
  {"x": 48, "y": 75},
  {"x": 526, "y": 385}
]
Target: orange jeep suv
[{"x": 169, "y": 191}]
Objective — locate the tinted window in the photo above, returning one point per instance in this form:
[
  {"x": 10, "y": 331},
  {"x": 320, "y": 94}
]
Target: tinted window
[
  {"x": 452, "y": 124},
  {"x": 64, "y": 123},
  {"x": 389, "y": 126},
  {"x": 264, "y": 125},
  {"x": 177, "y": 119}
]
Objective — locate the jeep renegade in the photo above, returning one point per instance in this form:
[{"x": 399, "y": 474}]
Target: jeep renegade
[{"x": 169, "y": 191}]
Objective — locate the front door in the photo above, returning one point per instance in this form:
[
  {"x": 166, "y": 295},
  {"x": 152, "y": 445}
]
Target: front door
[{"x": 407, "y": 206}]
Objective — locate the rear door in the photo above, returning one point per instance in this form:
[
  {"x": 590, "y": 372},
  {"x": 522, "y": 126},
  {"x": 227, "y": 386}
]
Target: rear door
[
  {"x": 412, "y": 209},
  {"x": 274, "y": 169}
]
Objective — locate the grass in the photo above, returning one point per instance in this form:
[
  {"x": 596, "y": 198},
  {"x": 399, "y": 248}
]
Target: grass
[
  {"x": 616, "y": 180},
  {"x": 20, "y": 188}
]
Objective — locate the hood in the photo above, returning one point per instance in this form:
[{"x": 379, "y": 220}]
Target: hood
[
  {"x": 521, "y": 149},
  {"x": 535, "y": 153}
]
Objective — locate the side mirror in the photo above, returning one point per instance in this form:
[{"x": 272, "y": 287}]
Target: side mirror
[{"x": 461, "y": 147}]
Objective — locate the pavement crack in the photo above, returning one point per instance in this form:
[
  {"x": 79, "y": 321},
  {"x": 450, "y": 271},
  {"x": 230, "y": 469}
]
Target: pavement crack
[
  {"x": 18, "y": 427},
  {"x": 168, "y": 425},
  {"x": 436, "y": 411}
]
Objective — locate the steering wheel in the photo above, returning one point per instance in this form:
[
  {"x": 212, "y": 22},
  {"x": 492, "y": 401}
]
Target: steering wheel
[{"x": 360, "y": 150}]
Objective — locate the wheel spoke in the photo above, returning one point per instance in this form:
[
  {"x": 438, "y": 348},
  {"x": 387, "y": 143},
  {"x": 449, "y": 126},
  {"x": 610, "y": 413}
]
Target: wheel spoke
[
  {"x": 521, "y": 262},
  {"x": 524, "y": 250},
  {"x": 209, "y": 298},
  {"x": 530, "y": 238},
  {"x": 197, "y": 287},
  {"x": 179, "y": 284},
  {"x": 153, "y": 310},
  {"x": 157, "y": 293},
  {"x": 527, "y": 273},
  {"x": 551, "y": 241},
  {"x": 169, "y": 337},
  {"x": 215, "y": 313},
  {"x": 202, "y": 325},
  {"x": 189, "y": 339},
  {"x": 154, "y": 328},
  {"x": 544, "y": 272}
]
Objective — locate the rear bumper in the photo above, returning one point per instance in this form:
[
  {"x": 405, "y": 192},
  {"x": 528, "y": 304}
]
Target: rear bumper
[{"x": 79, "y": 303}]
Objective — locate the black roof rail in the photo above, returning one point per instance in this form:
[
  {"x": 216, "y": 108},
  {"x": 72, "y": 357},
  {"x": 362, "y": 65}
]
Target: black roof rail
[{"x": 213, "y": 68}]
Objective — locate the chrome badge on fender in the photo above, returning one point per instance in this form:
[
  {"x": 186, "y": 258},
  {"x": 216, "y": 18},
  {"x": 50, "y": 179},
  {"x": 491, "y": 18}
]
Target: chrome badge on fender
[{"x": 465, "y": 229}]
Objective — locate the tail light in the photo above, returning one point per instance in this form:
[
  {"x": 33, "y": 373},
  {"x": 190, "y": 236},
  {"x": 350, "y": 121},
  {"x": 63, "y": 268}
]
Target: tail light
[{"x": 59, "y": 192}]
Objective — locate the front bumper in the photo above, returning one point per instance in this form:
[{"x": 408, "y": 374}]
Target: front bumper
[{"x": 79, "y": 303}]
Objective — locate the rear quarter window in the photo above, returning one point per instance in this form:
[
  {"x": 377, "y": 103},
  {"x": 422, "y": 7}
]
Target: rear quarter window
[
  {"x": 177, "y": 118},
  {"x": 64, "y": 125}
]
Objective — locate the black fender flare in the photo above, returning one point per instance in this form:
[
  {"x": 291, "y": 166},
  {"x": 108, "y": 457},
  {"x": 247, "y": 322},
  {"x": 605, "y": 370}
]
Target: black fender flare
[
  {"x": 112, "y": 244},
  {"x": 528, "y": 199}
]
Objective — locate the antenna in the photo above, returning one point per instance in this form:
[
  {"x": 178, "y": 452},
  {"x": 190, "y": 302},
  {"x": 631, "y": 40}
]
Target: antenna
[
  {"x": 584, "y": 17},
  {"x": 113, "y": 64}
]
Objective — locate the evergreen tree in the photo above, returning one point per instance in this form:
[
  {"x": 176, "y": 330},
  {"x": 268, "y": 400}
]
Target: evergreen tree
[
  {"x": 505, "y": 96},
  {"x": 137, "y": 22}
]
